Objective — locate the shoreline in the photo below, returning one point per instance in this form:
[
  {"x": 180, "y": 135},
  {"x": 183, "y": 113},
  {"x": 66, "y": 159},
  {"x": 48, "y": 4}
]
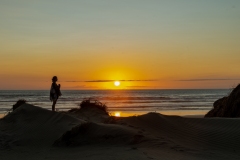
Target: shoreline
[{"x": 182, "y": 113}]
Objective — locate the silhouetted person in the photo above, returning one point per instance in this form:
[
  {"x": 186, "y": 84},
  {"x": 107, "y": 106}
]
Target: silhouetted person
[{"x": 54, "y": 92}]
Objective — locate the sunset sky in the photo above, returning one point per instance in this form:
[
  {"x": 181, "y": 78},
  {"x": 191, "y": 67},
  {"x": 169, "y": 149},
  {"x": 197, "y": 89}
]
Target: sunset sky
[{"x": 145, "y": 44}]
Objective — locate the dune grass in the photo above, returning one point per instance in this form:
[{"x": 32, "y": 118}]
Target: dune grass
[{"x": 91, "y": 103}]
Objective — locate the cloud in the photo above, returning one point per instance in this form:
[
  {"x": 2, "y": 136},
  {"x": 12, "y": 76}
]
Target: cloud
[
  {"x": 146, "y": 80},
  {"x": 138, "y": 86},
  {"x": 80, "y": 86},
  {"x": 123, "y": 80},
  {"x": 209, "y": 79},
  {"x": 73, "y": 81},
  {"x": 152, "y": 80},
  {"x": 100, "y": 81}
]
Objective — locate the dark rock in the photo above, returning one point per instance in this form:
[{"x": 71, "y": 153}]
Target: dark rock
[
  {"x": 227, "y": 106},
  {"x": 18, "y": 104}
]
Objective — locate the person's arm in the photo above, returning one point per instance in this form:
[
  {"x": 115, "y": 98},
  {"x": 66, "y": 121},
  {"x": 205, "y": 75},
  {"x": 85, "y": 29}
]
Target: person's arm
[
  {"x": 59, "y": 93},
  {"x": 57, "y": 89}
]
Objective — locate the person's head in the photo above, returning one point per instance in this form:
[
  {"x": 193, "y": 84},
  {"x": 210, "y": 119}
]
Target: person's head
[{"x": 54, "y": 79}]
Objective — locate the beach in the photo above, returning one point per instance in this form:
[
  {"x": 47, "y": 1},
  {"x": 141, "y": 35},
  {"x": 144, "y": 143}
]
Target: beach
[
  {"x": 119, "y": 80},
  {"x": 32, "y": 132},
  {"x": 128, "y": 102}
]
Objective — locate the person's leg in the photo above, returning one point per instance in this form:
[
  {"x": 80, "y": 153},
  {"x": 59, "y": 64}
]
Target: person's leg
[{"x": 53, "y": 105}]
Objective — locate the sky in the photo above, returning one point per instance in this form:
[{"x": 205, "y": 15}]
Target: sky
[{"x": 89, "y": 44}]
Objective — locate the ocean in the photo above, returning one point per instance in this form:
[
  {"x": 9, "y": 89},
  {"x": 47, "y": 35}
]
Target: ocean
[{"x": 120, "y": 100}]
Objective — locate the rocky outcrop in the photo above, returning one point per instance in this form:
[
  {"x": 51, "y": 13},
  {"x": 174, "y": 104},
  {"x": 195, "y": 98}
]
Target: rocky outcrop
[
  {"x": 227, "y": 106},
  {"x": 18, "y": 104}
]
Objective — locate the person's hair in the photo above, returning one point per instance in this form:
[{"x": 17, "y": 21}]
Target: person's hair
[{"x": 54, "y": 78}]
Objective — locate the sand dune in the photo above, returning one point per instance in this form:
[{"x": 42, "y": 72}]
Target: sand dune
[
  {"x": 93, "y": 133},
  {"x": 33, "y": 126},
  {"x": 221, "y": 135},
  {"x": 35, "y": 133}
]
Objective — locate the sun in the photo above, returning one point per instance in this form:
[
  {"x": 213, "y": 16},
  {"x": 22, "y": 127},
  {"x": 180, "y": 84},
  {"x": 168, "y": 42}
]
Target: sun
[
  {"x": 116, "y": 83},
  {"x": 117, "y": 114}
]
